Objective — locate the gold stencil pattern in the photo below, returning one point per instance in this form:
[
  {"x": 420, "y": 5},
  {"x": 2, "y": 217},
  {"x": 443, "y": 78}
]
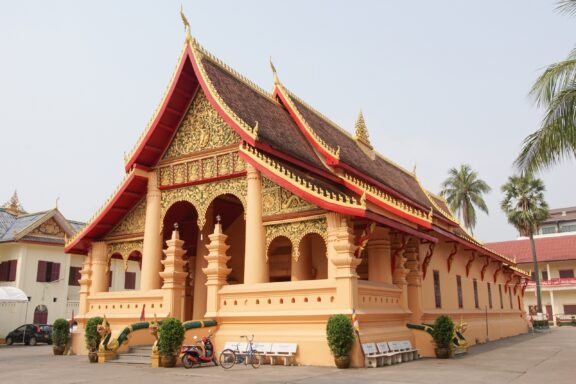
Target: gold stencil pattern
[
  {"x": 276, "y": 199},
  {"x": 133, "y": 222},
  {"x": 202, "y": 195},
  {"x": 201, "y": 129},
  {"x": 295, "y": 231}
]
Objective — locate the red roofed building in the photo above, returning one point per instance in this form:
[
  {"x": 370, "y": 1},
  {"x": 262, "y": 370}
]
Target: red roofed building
[{"x": 556, "y": 253}]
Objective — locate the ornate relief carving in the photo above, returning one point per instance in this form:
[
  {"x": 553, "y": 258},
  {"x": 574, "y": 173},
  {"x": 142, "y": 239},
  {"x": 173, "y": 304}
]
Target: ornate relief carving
[
  {"x": 201, "y": 195},
  {"x": 194, "y": 170},
  {"x": 180, "y": 173},
  {"x": 124, "y": 248},
  {"x": 209, "y": 168},
  {"x": 201, "y": 129},
  {"x": 295, "y": 231},
  {"x": 133, "y": 222},
  {"x": 239, "y": 164},
  {"x": 48, "y": 228},
  {"x": 276, "y": 199}
]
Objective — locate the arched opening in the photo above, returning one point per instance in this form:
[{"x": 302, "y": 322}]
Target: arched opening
[
  {"x": 230, "y": 212},
  {"x": 363, "y": 267},
  {"x": 280, "y": 259},
  {"x": 185, "y": 215},
  {"x": 132, "y": 268},
  {"x": 41, "y": 314},
  {"x": 312, "y": 263}
]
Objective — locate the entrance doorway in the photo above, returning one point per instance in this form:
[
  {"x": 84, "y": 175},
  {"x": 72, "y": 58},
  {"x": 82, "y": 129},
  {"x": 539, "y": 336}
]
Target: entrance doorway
[{"x": 41, "y": 314}]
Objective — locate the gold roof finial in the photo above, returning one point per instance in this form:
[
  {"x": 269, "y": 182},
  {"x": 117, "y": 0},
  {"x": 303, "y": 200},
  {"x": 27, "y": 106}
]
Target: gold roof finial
[
  {"x": 276, "y": 80},
  {"x": 362, "y": 131},
  {"x": 414, "y": 169},
  {"x": 185, "y": 22},
  {"x": 13, "y": 205}
]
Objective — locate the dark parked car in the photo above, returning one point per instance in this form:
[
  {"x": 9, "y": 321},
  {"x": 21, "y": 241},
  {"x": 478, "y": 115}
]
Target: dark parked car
[{"x": 30, "y": 334}]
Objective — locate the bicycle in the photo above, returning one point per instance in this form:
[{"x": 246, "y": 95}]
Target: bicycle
[{"x": 229, "y": 357}]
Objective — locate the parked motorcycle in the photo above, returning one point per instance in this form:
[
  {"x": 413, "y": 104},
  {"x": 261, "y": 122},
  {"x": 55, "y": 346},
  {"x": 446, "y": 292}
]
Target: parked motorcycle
[{"x": 201, "y": 352}]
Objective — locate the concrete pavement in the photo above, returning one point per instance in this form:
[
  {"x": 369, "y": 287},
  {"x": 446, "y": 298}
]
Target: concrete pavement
[{"x": 534, "y": 358}]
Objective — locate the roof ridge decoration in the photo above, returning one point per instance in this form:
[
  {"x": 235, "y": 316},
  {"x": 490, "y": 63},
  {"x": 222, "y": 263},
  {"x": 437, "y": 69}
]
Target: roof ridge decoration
[
  {"x": 424, "y": 218},
  {"x": 361, "y": 132},
  {"x": 279, "y": 170},
  {"x": 13, "y": 206}
]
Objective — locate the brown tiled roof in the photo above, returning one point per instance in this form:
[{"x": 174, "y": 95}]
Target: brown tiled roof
[
  {"x": 275, "y": 126},
  {"x": 561, "y": 214},
  {"x": 552, "y": 248},
  {"x": 404, "y": 184}
]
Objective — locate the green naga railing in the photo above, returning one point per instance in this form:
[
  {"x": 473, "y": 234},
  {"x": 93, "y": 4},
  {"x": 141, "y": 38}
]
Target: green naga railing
[{"x": 110, "y": 344}]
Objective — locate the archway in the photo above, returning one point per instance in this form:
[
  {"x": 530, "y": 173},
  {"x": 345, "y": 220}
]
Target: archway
[
  {"x": 312, "y": 262},
  {"x": 41, "y": 314},
  {"x": 186, "y": 216},
  {"x": 280, "y": 259},
  {"x": 132, "y": 269}
]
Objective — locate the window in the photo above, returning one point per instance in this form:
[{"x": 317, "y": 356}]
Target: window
[
  {"x": 533, "y": 276},
  {"x": 459, "y": 288},
  {"x": 566, "y": 273},
  {"x": 568, "y": 228},
  {"x": 510, "y": 296},
  {"x": 437, "y": 294},
  {"x": 548, "y": 230},
  {"x": 74, "y": 276},
  {"x": 129, "y": 280},
  {"x": 489, "y": 295},
  {"x": 476, "y": 302},
  {"x": 544, "y": 275},
  {"x": 47, "y": 271},
  {"x": 570, "y": 309},
  {"x": 501, "y": 301},
  {"x": 8, "y": 270}
]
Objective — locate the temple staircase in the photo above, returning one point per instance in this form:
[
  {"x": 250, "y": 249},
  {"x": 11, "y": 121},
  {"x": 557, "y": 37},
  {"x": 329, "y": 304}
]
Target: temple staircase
[{"x": 137, "y": 355}]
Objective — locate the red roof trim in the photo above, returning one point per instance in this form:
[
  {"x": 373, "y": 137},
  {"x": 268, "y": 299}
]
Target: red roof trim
[
  {"x": 399, "y": 226},
  {"x": 71, "y": 248}
]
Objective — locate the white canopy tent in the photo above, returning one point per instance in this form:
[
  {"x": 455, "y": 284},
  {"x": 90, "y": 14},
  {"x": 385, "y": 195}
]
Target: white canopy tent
[{"x": 12, "y": 295}]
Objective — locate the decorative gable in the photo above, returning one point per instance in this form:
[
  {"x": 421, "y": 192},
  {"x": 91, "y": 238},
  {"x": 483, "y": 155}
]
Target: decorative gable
[
  {"x": 49, "y": 228},
  {"x": 201, "y": 129}
]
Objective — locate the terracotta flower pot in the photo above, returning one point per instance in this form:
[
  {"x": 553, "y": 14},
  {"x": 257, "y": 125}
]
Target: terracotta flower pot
[
  {"x": 342, "y": 362},
  {"x": 93, "y": 357},
  {"x": 167, "y": 361},
  {"x": 442, "y": 353},
  {"x": 58, "y": 349}
]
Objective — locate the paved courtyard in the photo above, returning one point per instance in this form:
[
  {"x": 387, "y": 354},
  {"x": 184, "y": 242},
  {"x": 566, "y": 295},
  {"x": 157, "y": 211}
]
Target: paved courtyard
[{"x": 534, "y": 358}]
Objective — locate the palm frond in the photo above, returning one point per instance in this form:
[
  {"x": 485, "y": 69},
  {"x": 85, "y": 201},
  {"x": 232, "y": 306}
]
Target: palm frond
[
  {"x": 567, "y": 7},
  {"x": 554, "y": 79}
]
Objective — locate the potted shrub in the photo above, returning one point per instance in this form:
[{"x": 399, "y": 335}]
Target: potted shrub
[
  {"x": 92, "y": 338},
  {"x": 171, "y": 336},
  {"x": 442, "y": 335},
  {"x": 60, "y": 336},
  {"x": 340, "y": 335}
]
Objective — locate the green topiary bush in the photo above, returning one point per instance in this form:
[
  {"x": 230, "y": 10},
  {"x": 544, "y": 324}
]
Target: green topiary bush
[
  {"x": 340, "y": 335},
  {"x": 60, "y": 332},
  {"x": 91, "y": 335},
  {"x": 443, "y": 331},
  {"x": 171, "y": 337}
]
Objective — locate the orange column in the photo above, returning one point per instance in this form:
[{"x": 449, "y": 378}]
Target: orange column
[
  {"x": 199, "y": 306},
  {"x": 255, "y": 263},
  {"x": 85, "y": 283},
  {"x": 414, "y": 280},
  {"x": 379, "y": 269},
  {"x": 152, "y": 249},
  {"x": 99, "y": 268},
  {"x": 400, "y": 271}
]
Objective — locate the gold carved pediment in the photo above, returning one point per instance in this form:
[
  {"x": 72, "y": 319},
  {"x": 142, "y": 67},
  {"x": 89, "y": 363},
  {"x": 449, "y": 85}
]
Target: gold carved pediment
[
  {"x": 48, "y": 228},
  {"x": 133, "y": 222},
  {"x": 295, "y": 232},
  {"x": 201, "y": 129},
  {"x": 277, "y": 200}
]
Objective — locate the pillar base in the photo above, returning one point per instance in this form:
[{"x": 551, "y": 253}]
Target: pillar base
[
  {"x": 105, "y": 356},
  {"x": 155, "y": 360}
]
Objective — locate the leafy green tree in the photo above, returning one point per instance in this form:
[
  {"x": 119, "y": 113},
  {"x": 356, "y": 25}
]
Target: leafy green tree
[
  {"x": 463, "y": 191},
  {"x": 555, "y": 90},
  {"x": 526, "y": 208}
]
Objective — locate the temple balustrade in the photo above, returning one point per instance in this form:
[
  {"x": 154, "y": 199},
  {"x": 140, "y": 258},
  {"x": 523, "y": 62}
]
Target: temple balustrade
[
  {"x": 378, "y": 297},
  {"x": 281, "y": 297},
  {"x": 127, "y": 304}
]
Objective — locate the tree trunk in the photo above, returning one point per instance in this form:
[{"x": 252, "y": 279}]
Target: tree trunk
[{"x": 537, "y": 273}]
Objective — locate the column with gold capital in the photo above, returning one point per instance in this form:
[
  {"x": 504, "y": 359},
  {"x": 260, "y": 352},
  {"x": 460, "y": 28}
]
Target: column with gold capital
[
  {"x": 255, "y": 263},
  {"x": 217, "y": 271},
  {"x": 174, "y": 275},
  {"x": 152, "y": 248},
  {"x": 85, "y": 283}
]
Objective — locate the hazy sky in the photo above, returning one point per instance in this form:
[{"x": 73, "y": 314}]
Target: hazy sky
[{"x": 440, "y": 83}]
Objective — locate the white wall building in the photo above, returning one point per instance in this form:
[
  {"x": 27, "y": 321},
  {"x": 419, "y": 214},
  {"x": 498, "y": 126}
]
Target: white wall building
[{"x": 32, "y": 259}]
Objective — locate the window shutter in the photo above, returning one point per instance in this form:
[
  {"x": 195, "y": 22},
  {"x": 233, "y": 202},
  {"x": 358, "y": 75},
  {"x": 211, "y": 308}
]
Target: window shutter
[
  {"x": 55, "y": 273},
  {"x": 41, "y": 272},
  {"x": 3, "y": 271},
  {"x": 74, "y": 276},
  {"x": 77, "y": 275},
  {"x": 12, "y": 272},
  {"x": 129, "y": 280}
]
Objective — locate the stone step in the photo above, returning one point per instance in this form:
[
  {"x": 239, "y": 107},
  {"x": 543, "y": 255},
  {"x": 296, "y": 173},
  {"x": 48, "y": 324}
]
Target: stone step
[{"x": 130, "y": 359}]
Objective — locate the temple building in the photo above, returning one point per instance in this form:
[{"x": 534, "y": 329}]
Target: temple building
[{"x": 279, "y": 219}]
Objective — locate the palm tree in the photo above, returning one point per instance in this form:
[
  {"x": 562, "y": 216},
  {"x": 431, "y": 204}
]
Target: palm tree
[
  {"x": 526, "y": 208},
  {"x": 555, "y": 90},
  {"x": 463, "y": 191}
]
